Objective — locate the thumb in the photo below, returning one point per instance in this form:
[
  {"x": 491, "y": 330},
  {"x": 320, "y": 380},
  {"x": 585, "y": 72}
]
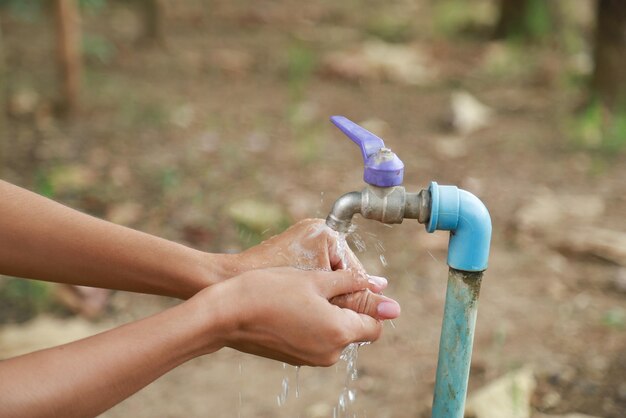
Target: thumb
[{"x": 366, "y": 302}]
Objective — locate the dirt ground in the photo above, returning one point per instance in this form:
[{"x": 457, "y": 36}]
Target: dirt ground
[{"x": 235, "y": 106}]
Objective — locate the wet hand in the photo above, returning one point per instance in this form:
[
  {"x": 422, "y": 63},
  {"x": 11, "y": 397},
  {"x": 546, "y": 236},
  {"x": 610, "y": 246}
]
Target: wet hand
[
  {"x": 308, "y": 245},
  {"x": 285, "y": 313}
]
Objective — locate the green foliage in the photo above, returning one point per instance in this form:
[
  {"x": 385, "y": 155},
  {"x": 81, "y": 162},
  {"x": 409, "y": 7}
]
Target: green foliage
[
  {"x": 449, "y": 16},
  {"x": 28, "y": 10},
  {"x": 133, "y": 113},
  {"x": 308, "y": 132},
  {"x": 390, "y": 29},
  {"x": 92, "y": 6},
  {"x": 43, "y": 185},
  {"x": 23, "y": 299},
  {"x": 301, "y": 62},
  {"x": 614, "y": 318},
  {"x": 537, "y": 18},
  {"x": 597, "y": 128},
  {"x": 453, "y": 17},
  {"x": 170, "y": 179},
  {"x": 98, "y": 48}
]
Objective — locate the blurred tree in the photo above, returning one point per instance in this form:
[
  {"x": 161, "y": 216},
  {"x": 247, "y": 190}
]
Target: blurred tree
[
  {"x": 609, "y": 76},
  {"x": 524, "y": 19},
  {"x": 151, "y": 12},
  {"x": 3, "y": 101},
  {"x": 67, "y": 19}
]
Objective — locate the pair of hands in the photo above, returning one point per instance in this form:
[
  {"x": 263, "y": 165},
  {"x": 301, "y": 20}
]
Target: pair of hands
[{"x": 299, "y": 297}]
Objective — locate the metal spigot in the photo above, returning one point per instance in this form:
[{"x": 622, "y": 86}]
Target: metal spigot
[
  {"x": 389, "y": 205},
  {"x": 383, "y": 199}
]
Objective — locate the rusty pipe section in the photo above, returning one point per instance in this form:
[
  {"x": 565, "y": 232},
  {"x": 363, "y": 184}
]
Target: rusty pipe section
[
  {"x": 455, "y": 344},
  {"x": 389, "y": 205}
]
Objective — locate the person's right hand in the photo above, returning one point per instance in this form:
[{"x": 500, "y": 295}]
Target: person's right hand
[{"x": 285, "y": 314}]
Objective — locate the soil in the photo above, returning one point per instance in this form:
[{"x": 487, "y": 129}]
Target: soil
[{"x": 169, "y": 136}]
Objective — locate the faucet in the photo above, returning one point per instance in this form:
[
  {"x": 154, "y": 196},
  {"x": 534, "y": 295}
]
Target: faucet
[
  {"x": 383, "y": 199},
  {"x": 447, "y": 208}
]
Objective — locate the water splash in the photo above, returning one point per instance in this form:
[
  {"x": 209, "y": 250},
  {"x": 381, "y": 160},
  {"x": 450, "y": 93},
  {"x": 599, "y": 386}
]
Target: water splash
[
  {"x": 358, "y": 242},
  {"x": 350, "y": 354},
  {"x": 282, "y": 397},
  {"x": 342, "y": 247},
  {"x": 347, "y": 396},
  {"x": 297, "y": 382}
]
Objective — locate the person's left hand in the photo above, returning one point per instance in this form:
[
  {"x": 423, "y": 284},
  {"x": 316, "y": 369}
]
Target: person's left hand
[{"x": 307, "y": 245}]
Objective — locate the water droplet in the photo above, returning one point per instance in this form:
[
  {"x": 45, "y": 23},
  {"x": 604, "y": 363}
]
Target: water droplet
[
  {"x": 282, "y": 398},
  {"x": 351, "y": 395},
  {"x": 383, "y": 260},
  {"x": 348, "y": 394},
  {"x": 297, "y": 381}
]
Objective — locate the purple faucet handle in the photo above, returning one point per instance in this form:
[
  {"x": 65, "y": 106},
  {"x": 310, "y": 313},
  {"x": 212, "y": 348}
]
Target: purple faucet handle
[
  {"x": 383, "y": 168},
  {"x": 367, "y": 141}
]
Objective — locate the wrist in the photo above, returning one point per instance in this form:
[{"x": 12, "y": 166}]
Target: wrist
[
  {"x": 219, "y": 267},
  {"x": 208, "y": 326},
  {"x": 202, "y": 270}
]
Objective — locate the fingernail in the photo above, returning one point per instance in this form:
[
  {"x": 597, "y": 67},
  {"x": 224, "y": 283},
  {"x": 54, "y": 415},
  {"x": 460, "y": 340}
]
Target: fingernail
[
  {"x": 388, "y": 310},
  {"x": 377, "y": 281}
]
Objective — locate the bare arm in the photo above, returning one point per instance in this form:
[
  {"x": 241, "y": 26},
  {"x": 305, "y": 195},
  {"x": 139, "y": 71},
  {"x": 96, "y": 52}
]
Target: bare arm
[
  {"x": 263, "y": 312},
  {"x": 42, "y": 239},
  {"x": 45, "y": 240}
]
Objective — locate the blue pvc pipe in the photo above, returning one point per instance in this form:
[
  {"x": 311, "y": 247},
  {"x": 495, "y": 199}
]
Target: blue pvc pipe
[
  {"x": 469, "y": 223},
  {"x": 455, "y": 345}
]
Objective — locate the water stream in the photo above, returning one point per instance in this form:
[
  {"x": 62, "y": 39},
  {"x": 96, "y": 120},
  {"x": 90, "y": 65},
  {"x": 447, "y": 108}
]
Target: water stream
[{"x": 350, "y": 354}]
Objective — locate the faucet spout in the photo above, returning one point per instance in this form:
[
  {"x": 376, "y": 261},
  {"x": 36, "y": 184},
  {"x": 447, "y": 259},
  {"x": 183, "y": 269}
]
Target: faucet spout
[{"x": 340, "y": 217}]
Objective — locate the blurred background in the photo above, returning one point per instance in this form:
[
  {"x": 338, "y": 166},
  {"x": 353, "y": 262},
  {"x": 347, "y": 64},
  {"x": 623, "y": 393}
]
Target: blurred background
[{"x": 206, "y": 122}]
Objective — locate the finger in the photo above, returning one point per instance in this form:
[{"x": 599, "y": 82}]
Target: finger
[
  {"x": 377, "y": 283},
  {"x": 363, "y": 328},
  {"x": 366, "y": 302},
  {"x": 334, "y": 283}
]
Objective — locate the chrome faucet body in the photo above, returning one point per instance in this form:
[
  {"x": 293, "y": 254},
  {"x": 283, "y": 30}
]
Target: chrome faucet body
[{"x": 390, "y": 205}]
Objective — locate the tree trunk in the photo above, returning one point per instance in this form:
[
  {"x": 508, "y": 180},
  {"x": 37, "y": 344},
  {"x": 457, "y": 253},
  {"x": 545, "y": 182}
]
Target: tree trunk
[
  {"x": 511, "y": 19},
  {"x": 523, "y": 19},
  {"x": 151, "y": 11},
  {"x": 69, "y": 52},
  {"x": 609, "y": 77},
  {"x": 3, "y": 103}
]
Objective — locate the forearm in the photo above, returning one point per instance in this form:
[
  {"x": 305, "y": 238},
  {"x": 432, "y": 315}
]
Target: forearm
[
  {"x": 89, "y": 376},
  {"x": 42, "y": 239}
]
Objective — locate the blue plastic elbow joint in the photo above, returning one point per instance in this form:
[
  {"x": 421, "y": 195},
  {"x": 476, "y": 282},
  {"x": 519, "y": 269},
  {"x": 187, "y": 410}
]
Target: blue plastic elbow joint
[{"x": 469, "y": 223}]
